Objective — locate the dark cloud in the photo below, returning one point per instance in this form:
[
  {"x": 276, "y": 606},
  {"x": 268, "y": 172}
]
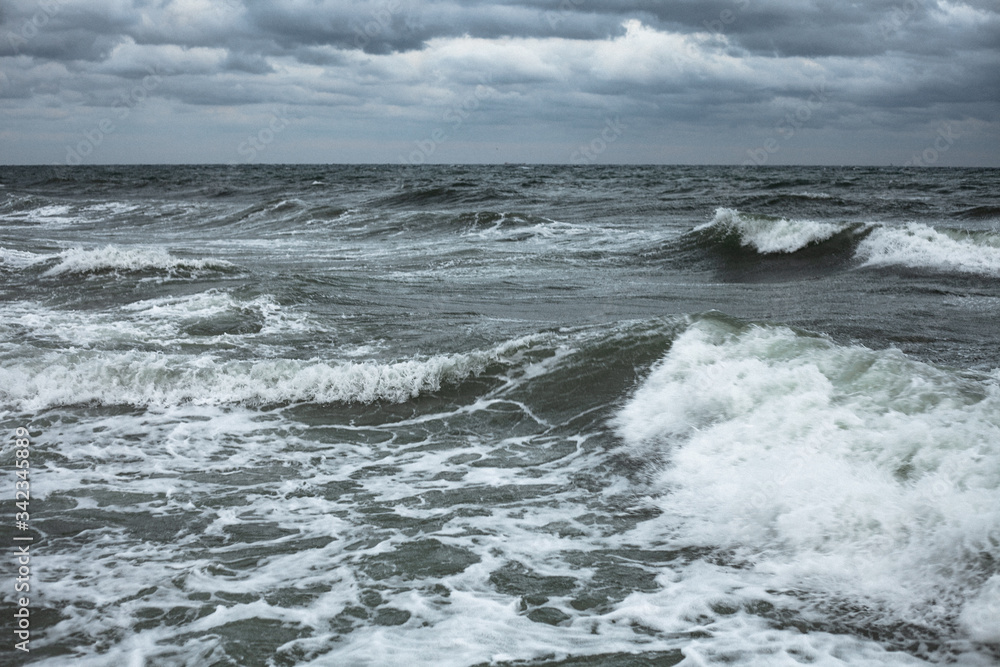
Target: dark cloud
[
  {"x": 722, "y": 68},
  {"x": 251, "y": 63}
]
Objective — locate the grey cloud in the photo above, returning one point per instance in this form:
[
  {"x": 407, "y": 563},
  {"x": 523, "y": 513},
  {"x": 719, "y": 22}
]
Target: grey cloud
[
  {"x": 250, "y": 63},
  {"x": 890, "y": 63},
  {"x": 818, "y": 28}
]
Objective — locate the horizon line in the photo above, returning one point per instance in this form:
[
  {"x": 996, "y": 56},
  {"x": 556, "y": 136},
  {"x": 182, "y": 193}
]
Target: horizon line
[{"x": 491, "y": 164}]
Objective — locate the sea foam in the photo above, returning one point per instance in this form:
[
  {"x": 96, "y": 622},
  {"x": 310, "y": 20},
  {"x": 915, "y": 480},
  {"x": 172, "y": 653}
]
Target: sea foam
[
  {"x": 920, "y": 246},
  {"x": 18, "y": 259},
  {"x": 861, "y": 475},
  {"x": 126, "y": 259},
  {"x": 154, "y": 379}
]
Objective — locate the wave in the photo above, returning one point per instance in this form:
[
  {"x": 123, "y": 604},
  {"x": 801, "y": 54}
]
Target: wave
[
  {"x": 767, "y": 235},
  {"x": 29, "y": 211},
  {"x": 203, "y": 318},
  {"x": 455, "y": 192},
  {"x": 834, "y": 472},
  {"x": 152, "y": 379},
  {"x": 217, "y": 313},
  {"x": 18, "y": 259},
  {"x": 513, "y": 227},
  {"x": 118, "y": 259},
  {"x": 919, "y": 246},
  {"x": 980, "y": 213}
]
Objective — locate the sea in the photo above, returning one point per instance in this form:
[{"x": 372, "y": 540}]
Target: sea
[{"x": 509, "y": 415}]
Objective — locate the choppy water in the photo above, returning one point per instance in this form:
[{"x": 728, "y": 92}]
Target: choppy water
[{"x": 504, "y": 415}]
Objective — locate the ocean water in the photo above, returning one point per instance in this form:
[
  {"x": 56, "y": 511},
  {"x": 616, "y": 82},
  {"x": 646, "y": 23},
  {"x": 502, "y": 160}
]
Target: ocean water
[{"x": 503, "y": 415}]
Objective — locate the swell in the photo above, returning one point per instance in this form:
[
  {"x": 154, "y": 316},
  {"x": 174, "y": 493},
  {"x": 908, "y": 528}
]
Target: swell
[
  {"x": 737, "y": 233},
  {"x": 456, "y": 192},
  {"x": 922, "y": 247},
  {"x": 745, "y": 246},
  {"x": 111, "y": 259},
  {"x": 979, "y": 213},
  {"x": 150, "y": 379},
  {"x": 129, "y": 259},
  {"x": 558, "y": 373}
]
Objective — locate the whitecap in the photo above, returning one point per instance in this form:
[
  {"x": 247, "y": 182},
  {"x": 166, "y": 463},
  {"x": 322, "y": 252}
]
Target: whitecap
[
  {"x": 770, "y": 235},
  {"x": 127, "y": 258},
  {"x": 19, "y": 259},
  {"x": 860, "y": 475},
  {"x": 921, "y": 246},
  {"x": 145, "y": 378}
]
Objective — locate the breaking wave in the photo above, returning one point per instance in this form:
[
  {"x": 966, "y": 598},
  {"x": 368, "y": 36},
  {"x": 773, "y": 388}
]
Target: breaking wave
[
  {"x": 834, "y": 472},
  {"x": 915, "y": 245},
  {"x": 920, "y": 246},
  {"x": 130, "y": 259},
  {"x": 152, "y": 379},
  {"x": 767, "y": 235}
]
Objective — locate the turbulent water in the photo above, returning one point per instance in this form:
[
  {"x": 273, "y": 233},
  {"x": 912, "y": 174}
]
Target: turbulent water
[{"x": 503, "y": 415}]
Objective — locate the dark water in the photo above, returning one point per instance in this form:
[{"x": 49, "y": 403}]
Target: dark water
[{"x": 362, "y": 415}]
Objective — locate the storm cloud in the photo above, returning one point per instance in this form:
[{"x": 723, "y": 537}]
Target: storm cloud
[{"x": 722, "y": 81}]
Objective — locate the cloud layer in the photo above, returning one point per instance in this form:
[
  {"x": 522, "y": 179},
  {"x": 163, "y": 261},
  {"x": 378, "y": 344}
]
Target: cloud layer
[{"x": 728, "y": 81}]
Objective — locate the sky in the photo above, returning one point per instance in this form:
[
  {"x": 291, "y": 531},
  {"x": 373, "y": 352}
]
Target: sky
[{"x": 755, "y": 82}]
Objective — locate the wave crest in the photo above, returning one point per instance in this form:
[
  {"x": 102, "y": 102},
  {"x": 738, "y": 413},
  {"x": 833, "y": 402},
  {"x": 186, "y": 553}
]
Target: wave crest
[
  {"x": 839, "y": 468},
  {"x": 113, "y": 258},
  {"x": 920, "y": 246},
  {"x": 151, "y": 379},
  {"x": 768, "y": 235}
]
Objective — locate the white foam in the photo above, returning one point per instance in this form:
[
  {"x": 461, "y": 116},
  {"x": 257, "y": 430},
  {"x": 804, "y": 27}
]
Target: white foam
[
  {"x": 53, "y": 213},
  {"x": 544, "y": 232},
  {"x": 155, "y": 379},
  {"x": 768, "y": 235},
  {"x": 126, "y": 258},
  {"x": 157, "y": 322},
  {"x": 981, "y": 615},
  {"x": 920, "y": 246},
  {"x": 862, "y": 475},
  {"x": 50, "y": 215},
  {"x": 514, "y": 227},
  {"x": 113, "y": 208},
  {"x": 19, "y": 259},
  {"x": 211, "y": 303}
]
